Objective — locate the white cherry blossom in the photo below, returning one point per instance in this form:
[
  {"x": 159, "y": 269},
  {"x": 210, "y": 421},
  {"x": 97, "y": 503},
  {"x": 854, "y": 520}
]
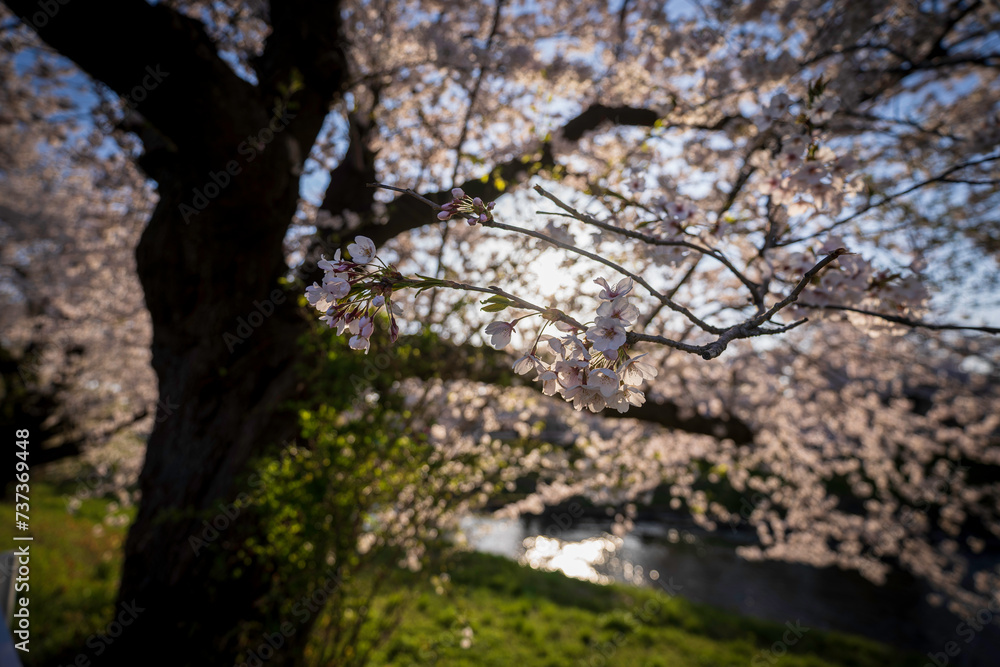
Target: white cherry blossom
[
  {"x": 633, "y": 371},
  {"x": 526, "y": 364},
  {"x": 604, "y": 379},
  {"x": 499, "y": 333},
  {"x": 586, "y": 396},
  {"x": 362, "y": 329},
  {"x": 607, "y": 335},
  {"x": 362, "y": 250},
  {"x": 337, "y": 287},
  {"x": 619, "y": 309},
  {"x": 318, "y": 296},
  {"x": 623, "y": 287}
]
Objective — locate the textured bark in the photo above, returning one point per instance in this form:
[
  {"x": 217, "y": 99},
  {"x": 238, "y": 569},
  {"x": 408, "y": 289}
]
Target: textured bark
[
  {"x": 225, "y": 405},
  {"x": 203, "y": 265}
]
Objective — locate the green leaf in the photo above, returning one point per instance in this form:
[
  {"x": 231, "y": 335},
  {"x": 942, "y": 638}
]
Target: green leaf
[
  {"x": 495, "y": 307},
  {"x": 496, "y": 303}
]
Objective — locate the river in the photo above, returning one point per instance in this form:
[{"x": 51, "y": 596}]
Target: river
[{"x": 704, "y": 567}]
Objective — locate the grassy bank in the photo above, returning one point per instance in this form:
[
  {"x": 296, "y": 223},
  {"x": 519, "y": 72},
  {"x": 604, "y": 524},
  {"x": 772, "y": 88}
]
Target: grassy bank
[
  {"x": 504, "y": 614},
  {"x": 524, "y": 617},
  {"x": 74, "y": 568}
]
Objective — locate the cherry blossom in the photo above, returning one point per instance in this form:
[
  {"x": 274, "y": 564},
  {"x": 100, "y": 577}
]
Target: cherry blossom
[
  {"x": 633, "y": 372},
  {"x": 739, "y": 135},
  {"x": 362, "y": 329},
  {"x": 499, "y": 333},
  {"x": 619, "y": 309},
  {"x": 526, "y": 364},
  {"x": 471, "y": 208},
  {"x": 623, "y": 287},
  {"x": 362, "y": 250},
  {"x": 607, "y": 335}
]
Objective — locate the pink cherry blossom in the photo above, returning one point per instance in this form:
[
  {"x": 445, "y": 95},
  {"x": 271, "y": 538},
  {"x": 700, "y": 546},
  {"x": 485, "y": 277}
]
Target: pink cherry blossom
[
  {"x": 607, "y": 335},
  {"x": 499, "y": 333},
  {"x": 623, "y": 287},
  {"x": 619, "y": 309}
]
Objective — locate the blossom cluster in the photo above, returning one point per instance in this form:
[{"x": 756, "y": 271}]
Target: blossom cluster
[
  {"x": 473, "y": 209},
  {"x": 853, "y": 281},
  {"x": 354, "y": 291},
  {"x": 804, "y": 174},
  {"x": 595, "y": 374}
]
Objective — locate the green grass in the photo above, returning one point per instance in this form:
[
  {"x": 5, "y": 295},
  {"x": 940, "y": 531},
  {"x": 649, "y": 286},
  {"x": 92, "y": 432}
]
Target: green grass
[
  {"x": 518, "y": 616},
  {"x": 74, "y": 570},
  {"x": 528, "y": 618}
]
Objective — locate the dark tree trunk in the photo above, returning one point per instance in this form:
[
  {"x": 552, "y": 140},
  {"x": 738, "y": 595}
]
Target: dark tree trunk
[
  {"x": 226, "y": 156},
  {"x": 222, "y": 383}
]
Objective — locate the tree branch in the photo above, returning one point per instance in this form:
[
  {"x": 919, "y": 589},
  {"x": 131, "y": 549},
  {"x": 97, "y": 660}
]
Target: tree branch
[
  {"x": 405, "y": 214},
  {"x": 444, "y": 360},
  {"x": 129, "y": 44},
  {"x": 904, "y": 320},
  {"x": 305, "y": 47}
]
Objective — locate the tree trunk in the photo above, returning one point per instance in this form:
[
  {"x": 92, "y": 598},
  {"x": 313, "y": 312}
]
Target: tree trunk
[
  {"x": 226, "y": 155},
  {"x": 224, "y": 350}
]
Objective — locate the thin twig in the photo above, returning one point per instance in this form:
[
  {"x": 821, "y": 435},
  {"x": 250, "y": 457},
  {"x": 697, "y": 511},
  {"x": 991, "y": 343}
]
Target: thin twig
[
  {"x": 406, "y": 191},
  {"x": 646, "y": 238},
  {"x": 797, "y": 290},
  {"x": 904, "y": 320},
  {"x": 552, "y": 313},
  {"x": 888, "y": 198},
  {"x": 669, "y": 303}
]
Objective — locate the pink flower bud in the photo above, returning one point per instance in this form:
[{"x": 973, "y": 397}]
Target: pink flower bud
[
  {"x": 444, "y": 215},
  {"x": 457, "y": 193}
]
